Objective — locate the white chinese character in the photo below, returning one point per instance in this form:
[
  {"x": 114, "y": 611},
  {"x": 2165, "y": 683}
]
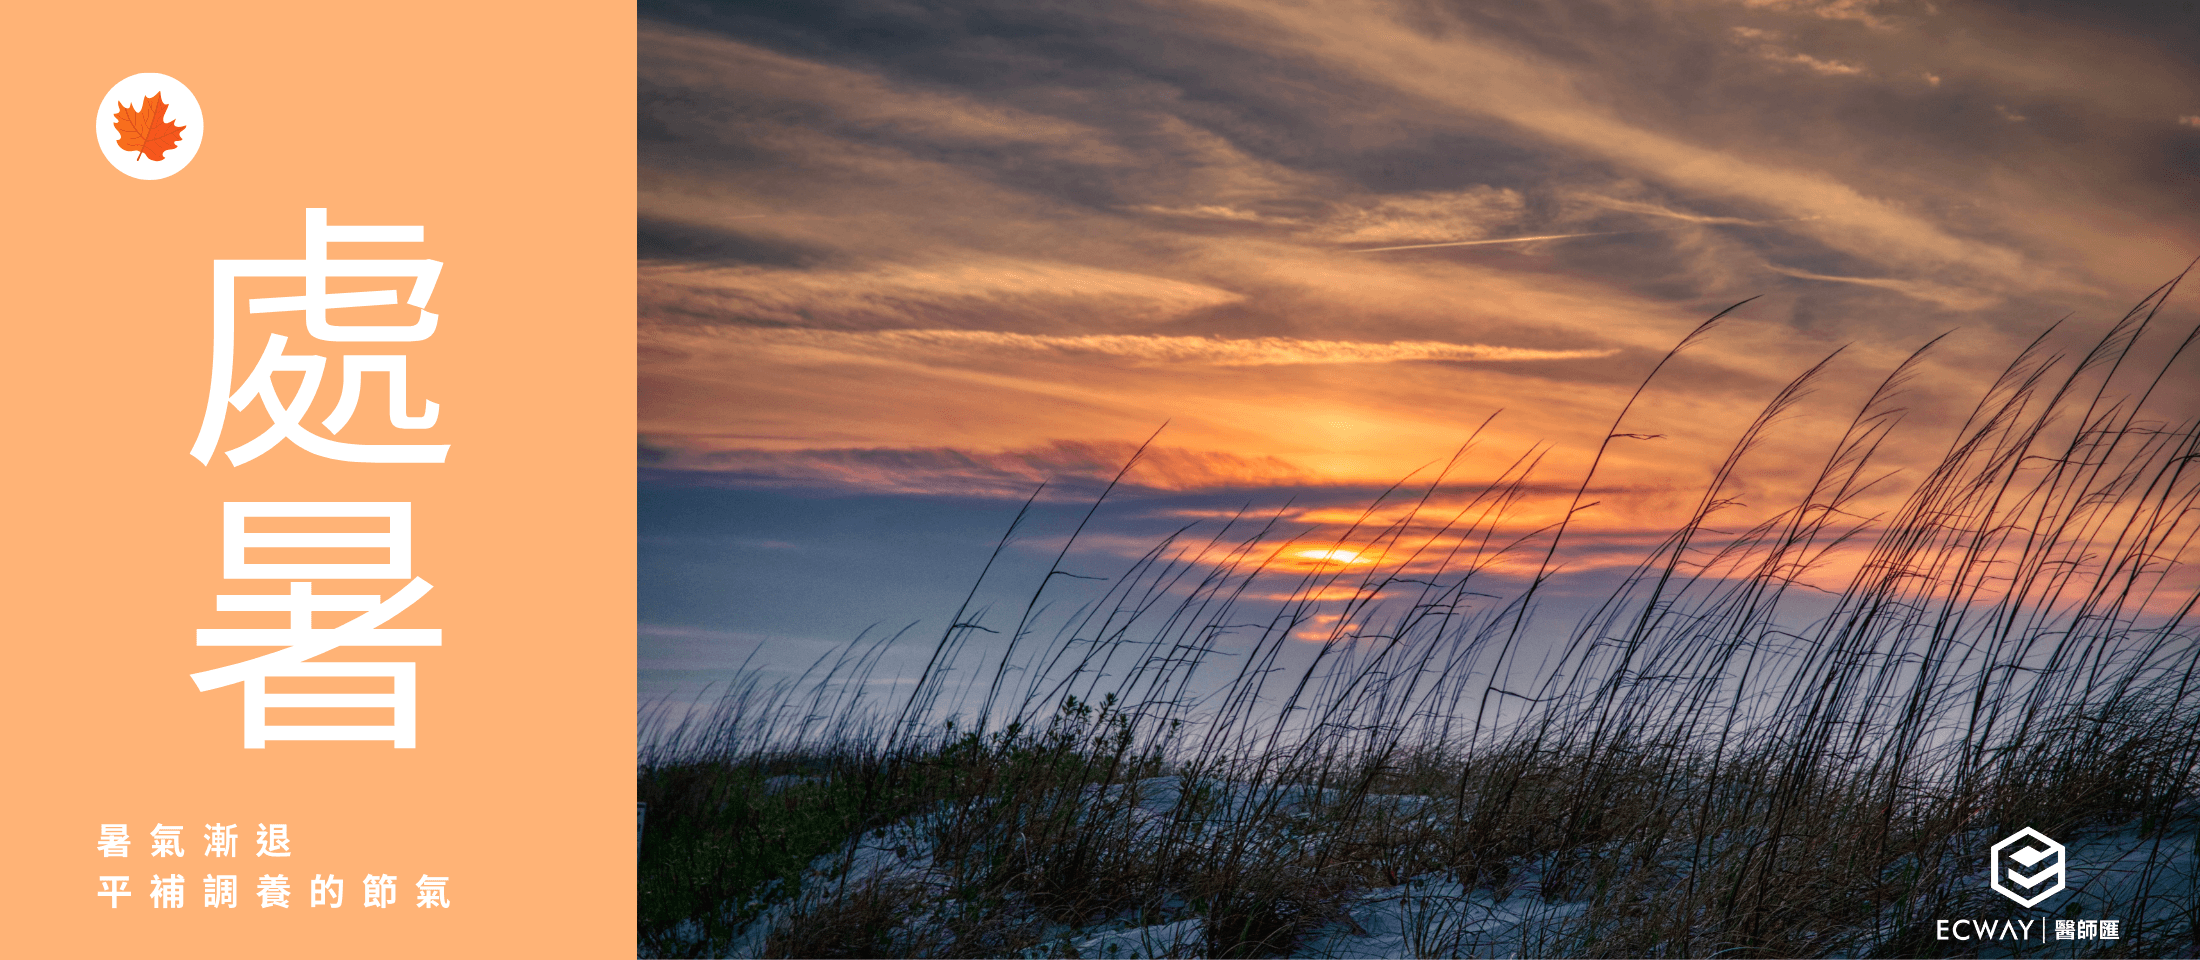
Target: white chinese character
[
  {"x": 431, "y": 892},
  {"x": 2110, "y": 930},
  {"x": 167, "y": 891},
  {"x": 274, "y": 840},
  {"x": 114, "y": 840},
  {"x": 328, "y": 891},
  {"x": 221, "y": 839},
  {"x": 2089, "y": 929},
  {"x": 2066, "y": 930},
  {"x": 111, "y": 887},
  {"x": 381, "y": 890},
  {"x": 221, "y": 890},
  {"x": 167, "y": 841},
  {"x": 301, "y": 640},
  {"x": 274, "y": 891},
  {"x": 259, "y": 385}
]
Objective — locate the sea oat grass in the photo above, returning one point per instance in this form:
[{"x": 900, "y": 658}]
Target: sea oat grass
[{"x": 1725, "y": 756}]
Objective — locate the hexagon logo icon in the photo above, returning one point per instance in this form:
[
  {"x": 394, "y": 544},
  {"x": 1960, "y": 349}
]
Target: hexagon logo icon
[{"x": 2015, "y": 863}]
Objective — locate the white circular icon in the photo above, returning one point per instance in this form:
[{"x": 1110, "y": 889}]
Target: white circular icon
[{"x": 149, "y": 126}]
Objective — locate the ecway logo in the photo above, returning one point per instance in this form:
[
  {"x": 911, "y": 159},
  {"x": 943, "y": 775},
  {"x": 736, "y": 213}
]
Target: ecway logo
[{"x": 2015, "y": 866}]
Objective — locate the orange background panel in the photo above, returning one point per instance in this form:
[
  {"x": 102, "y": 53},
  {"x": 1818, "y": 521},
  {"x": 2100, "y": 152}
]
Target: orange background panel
[{"x": 507, "y": 133}]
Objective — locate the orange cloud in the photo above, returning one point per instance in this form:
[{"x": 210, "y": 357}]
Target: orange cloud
[
  {"x": 1214, "y": 351},
  {"x": 950, "y": 471}
]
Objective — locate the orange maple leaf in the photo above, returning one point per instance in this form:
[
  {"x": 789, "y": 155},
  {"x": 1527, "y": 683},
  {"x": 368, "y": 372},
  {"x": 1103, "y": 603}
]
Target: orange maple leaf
[{"x": 146, "y": 130}]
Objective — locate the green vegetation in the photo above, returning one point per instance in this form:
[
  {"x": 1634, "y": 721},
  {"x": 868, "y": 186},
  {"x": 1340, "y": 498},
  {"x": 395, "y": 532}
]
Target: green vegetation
[{"x": 721, "y": 836}]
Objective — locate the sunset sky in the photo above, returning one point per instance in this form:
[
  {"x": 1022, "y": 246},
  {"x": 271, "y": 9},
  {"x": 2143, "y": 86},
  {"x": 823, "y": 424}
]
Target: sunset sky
[{"x": 902, "y": 261}]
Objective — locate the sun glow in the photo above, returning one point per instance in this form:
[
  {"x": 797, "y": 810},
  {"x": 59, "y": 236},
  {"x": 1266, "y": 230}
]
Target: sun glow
[{"x": 1338, "y": 555}]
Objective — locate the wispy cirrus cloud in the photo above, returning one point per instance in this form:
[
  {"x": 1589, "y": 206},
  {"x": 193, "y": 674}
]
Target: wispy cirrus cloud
[
  {"x": 1423, "y": 217},
  {"x": 1950, "y": 296},
  {"x": 1133, "y": 348},
  {"x": 1870, "y": 13},
  {"x": 971, "y": 291},
  {"x": 1082, "y": 223},
  {"x": 1764, "y": 44}
]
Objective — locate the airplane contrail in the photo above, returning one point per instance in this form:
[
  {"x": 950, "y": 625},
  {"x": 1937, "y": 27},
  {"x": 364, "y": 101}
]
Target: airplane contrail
[
  {"x": 1566, "y": 236},
  {"x": 1477, "y": 243}
]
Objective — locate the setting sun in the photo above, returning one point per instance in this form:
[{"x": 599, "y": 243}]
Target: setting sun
[{"x": 1338, "y": 555}]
